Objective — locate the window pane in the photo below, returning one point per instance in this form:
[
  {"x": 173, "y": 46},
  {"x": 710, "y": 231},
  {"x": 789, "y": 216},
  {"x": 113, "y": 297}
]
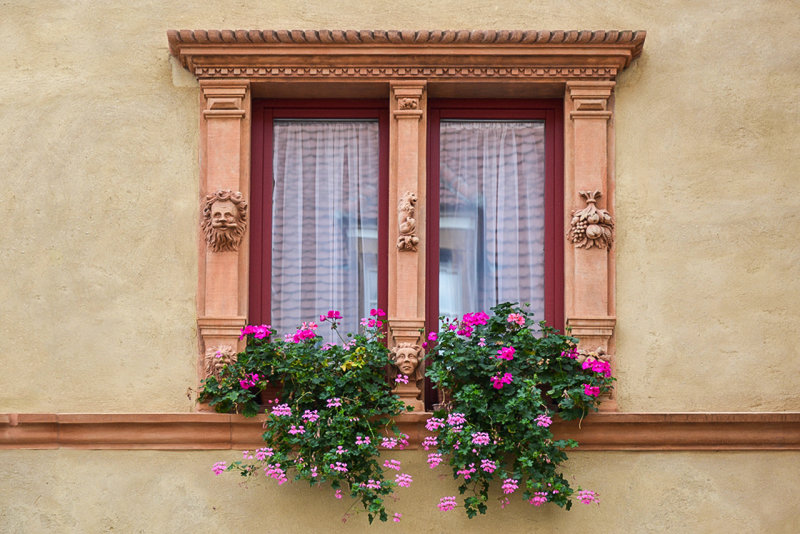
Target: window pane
[
  {"x": 325, "y": 221},
  {"x": 491, "y": 225}
]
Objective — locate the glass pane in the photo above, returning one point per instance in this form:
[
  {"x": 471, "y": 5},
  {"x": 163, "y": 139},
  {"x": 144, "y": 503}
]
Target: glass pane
[
  {"x": 491, "y": 215},
  {"x": 324, "y": 221}
]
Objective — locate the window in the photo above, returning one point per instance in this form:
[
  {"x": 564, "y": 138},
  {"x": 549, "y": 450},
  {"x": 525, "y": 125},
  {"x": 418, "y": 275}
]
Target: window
[
  {"x": 318, "y": 227},
  {"x": 495, "y": 194},
  {"x": 411, "y": 68}
]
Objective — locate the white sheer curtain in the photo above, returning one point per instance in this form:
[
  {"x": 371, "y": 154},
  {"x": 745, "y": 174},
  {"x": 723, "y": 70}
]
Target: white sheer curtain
[
  {"x": 491, "y": 226},
  {"x": 324, "y": 221}
]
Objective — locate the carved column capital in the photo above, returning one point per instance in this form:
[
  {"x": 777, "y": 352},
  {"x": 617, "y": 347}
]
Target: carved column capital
[
  {"x": 407, "y": 96},
  {"x": 590, "y": 99},
  {"x": 224, "y": 98}
]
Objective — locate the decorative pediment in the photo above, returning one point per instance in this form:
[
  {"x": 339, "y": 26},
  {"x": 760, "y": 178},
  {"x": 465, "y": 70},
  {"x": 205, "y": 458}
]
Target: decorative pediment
[{"x": 381, "y": 55}]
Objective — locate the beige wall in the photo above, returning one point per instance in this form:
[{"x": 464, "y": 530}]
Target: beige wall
[
  {"x": 160, "y": 492},
  {"x": 98, "y": 158}
]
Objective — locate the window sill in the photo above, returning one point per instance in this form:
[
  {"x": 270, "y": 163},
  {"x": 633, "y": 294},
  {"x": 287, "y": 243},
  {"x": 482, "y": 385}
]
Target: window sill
[{"x": 696, "y": 431}]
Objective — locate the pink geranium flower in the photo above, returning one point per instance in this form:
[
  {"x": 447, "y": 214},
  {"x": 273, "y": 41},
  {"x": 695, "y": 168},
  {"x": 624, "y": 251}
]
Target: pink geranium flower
[
  {"x": 516, "y": 318},
  {"x": 592, "y": 391},
  {"x": 447, "y": 503},
  {"x": 506, "y": 353}
]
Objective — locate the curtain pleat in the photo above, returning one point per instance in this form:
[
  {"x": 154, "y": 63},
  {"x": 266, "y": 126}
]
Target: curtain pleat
[
  {"x": 491, "y": 228},
  {"x": 324, "y": 222}
]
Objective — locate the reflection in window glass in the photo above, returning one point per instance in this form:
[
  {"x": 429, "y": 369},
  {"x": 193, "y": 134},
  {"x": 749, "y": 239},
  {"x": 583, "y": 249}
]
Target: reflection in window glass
[
  {"x": 491, "y": 215},
  {"x": 325, "y": 221}
]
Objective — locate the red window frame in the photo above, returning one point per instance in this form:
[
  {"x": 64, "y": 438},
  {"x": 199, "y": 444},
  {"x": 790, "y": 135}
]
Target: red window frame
[
  {"x": 261, "y": 179},
  {"x": 551, "y": 112}
]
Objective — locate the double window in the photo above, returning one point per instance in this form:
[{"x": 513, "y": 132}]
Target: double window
[{"x": 320, "y": 209}]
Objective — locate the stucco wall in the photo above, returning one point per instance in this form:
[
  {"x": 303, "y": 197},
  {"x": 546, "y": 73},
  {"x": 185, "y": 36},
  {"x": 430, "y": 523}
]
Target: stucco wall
[
  {"x": 99, "y": 159},
  {"x": 156, "y": 492}
]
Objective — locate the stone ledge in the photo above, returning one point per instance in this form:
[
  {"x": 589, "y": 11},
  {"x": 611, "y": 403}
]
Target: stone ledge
[{"x": 696, "y": 431}]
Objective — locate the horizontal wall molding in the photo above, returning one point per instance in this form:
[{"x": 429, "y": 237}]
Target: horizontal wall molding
[{"x": 713, "y": 431}]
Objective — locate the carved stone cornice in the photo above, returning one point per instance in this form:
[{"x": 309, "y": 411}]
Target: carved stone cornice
[{"x": 383, "y": 55}]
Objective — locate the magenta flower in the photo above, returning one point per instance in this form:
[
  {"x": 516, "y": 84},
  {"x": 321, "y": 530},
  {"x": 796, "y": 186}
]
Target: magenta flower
[
  {"x": 403, "y": 480},
  {"x": 543, "y": 420},
  {"x": 341, "y": 450},
  {"x": 488, "y": 465},
  {"x": 592, "y": 391},
  {"x": 505, "y": 353},
  {"x": 338, "y": 494},
  {"x": 434, "y": 459},
  {"x": 510, "y": 485},
  {"x": 377, "y": 312},
  {"x": 263, "y": 453},
  {"x": 310, "y": 416},
  {"x": 397, "y": 517},
  {"x": 472, "y": 319},
  {"x": 275, "y": 471},
  {"x": 456, "y": 419},
  {"x": 571, "y": 353},
  {"x": 371, "y": 323},
  {"x": 297, "y": 430},
  {"x": 249, "y": 381},
  {"x": 371, "y": 484},
  {"x": 539, "y": 498},
  {"x": 332, "y": 314},
  {"x": 392, "y": 464},
  {"x": 434, "y": 423},
  {"x": 362, "y": 440},
  {"x": 480, "y": 438},
  {"x": 219, "y": 468},
  {"x": 281, "y": 410},
  {"x": 499, "y": 381},
  {"x": 402, "y": 379},
  {"x": 587, "y": 496},
  {"x": 389, "y": 443},
  {"x": 259, "y": 332},
  {"x": 430, "y": 442},
  {"x": 467, "y": 471},
  {"x": 598, "y": 366},
  {"x": 516, "y": 318},
  {"x": 432, "y": 336},
  {"x": 447, "y": 503},
  {"x": 482, "y": 342},
  {"x": 339, "y": 466},
  {"x": 334, "y": 402}
]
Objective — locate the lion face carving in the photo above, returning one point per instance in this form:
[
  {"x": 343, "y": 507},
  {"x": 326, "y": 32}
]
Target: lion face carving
[{"x": 224, "y": 220}]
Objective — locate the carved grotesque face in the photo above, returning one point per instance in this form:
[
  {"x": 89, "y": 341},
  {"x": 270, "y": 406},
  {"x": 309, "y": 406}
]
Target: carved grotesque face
[
  {"x": 406, "y": 360},
  {"x": 223, "y": 215}
]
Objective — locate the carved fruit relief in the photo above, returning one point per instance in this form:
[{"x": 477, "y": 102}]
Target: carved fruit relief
[
  {"x": 407, "y": 222},
  {"x": 591, "y": 226},
  {"x": 224, "y": 220}
]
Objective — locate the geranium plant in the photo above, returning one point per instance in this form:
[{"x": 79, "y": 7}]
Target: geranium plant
[
  {"x": 333, "y": 415},
  {"x": 505, "y": 378}
]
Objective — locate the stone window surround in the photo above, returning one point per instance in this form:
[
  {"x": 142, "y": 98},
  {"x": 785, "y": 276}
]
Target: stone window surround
[{"x": 406, "y": 67}]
